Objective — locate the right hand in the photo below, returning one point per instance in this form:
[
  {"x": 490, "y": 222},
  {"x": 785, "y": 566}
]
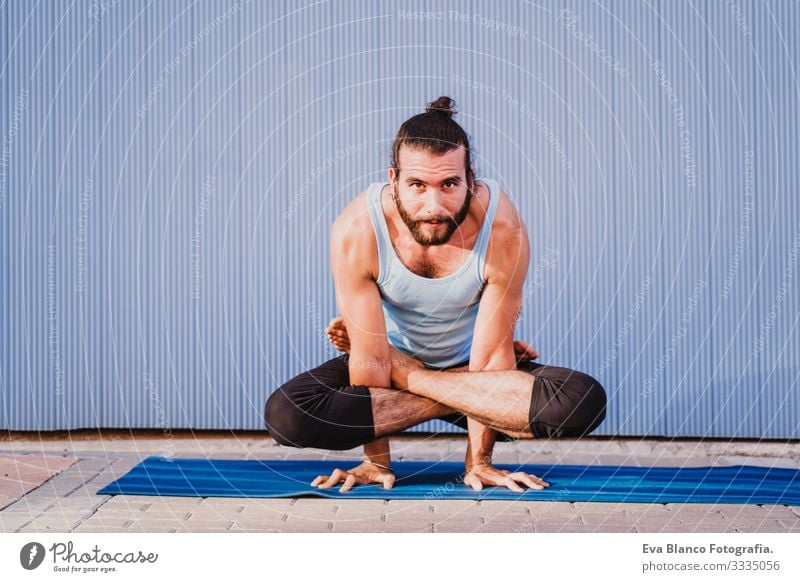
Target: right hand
[
  {"x": 362, "y": 474},
  {"x": 523, "y": 351}
]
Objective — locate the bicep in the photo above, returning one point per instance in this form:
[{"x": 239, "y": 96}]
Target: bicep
[
  {"x": 359, "y": 303},
  {"x": 493, "y": 339},
  {"x": 499, "y": 308}
]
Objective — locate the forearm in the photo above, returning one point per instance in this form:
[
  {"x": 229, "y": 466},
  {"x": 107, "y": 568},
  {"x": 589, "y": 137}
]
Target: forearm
[
  {"x": 372, "y": 371},
  {"x": 481, "y": 438}
]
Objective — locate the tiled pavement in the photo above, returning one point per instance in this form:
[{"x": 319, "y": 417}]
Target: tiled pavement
[{"x": 68, "y": 502}]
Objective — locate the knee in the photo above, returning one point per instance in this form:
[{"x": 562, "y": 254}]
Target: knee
[
  {"x": 284, "y": 420},
  {"x": 590, "y": 404},
  {"x": 567, "y": 403}
]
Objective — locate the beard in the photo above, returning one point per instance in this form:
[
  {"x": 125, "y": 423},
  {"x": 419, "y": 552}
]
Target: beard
[{"x": 433, "y": 239}]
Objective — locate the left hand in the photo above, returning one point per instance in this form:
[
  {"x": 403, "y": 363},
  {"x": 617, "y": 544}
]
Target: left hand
[{"x": 481, "y": 475}]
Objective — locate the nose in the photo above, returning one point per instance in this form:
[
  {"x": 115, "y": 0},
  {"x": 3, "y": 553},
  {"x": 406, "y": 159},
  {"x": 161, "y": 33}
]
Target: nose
[{"x": 433, "y": 203}]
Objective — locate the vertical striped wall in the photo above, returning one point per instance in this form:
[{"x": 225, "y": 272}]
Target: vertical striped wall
[{"x": 170, "y": 170}]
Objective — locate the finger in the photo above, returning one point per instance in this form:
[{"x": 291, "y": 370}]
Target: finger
[
  {"x": 530, "y": 350},
  {"x": 388, "y": 481},
  {"x": 318, "y": 479},
  {"x": 474, "y": 482},
  {"x": 348, "y": 483},
  {"x": 335, "y": 477},
  {"x": 511, "y": 484},
  {"x": 537, "y": 479},
  {"x": 528, "y": 480}
]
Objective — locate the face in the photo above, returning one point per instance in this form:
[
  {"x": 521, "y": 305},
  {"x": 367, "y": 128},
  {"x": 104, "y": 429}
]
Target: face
[{"x": 431, "y": 193}]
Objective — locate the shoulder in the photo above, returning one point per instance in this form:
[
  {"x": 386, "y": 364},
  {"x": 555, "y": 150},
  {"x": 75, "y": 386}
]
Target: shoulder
[
  {"x": 353, "y": 241},
  {"x": 509, "y": 247}
]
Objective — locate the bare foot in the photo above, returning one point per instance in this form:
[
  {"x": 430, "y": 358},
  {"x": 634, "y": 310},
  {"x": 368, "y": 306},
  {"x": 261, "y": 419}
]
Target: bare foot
[{"x": 337, "y": 334}]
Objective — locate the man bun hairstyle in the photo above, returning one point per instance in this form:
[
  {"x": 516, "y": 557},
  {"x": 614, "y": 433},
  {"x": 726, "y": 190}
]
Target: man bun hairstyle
[
  {"x": 434, "y": 131},
  {"x": 443, "y": 105}
]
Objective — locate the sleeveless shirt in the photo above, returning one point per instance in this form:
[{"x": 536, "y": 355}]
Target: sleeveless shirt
[{"x": 430, "y": 319}]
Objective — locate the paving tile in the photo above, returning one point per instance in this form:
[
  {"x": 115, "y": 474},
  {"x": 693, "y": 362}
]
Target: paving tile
[
  {"x": 469, "y": 521},
  {"x": 238, "y": 529},
  {"x": 12, "y": 524},
  {"x": 50, "y": 526},
  {"x": 614, "y": 528},
  {"x": 456, "y": 507},
  {"x": 170, "y": 504},
  {"x": 558, "y": 528},
  {"x": 94, "y": 528},
  {"x": 420, "y": 512},
  {"x": 548, "y": 510},
  {"x": 384, "y": 527},
  {"x": 743, "y": 512},
  {"x": 780, "y": 512},
  {"x": 278, "y": 524},
  {"x": 793, "y": 526},
  {"x": 183, "y": 525},
  {"x": 152, "y": 525},
  {"x": 488, "y": 527},
  {"x": 236, "y": 503},
  {"x": 261, "y": 507},
  {"x": 325, "y": 509},
  {"x": 300, "y": 525}
]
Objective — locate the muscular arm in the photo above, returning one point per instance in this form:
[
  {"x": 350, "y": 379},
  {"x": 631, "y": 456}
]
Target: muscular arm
[
  {"x": 359, "y": 302},
  {"x": 492, "y": 347}
]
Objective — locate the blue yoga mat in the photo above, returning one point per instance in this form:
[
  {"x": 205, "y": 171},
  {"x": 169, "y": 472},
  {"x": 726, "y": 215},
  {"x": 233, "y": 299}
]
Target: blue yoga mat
[{"x": 440, "y": 480}]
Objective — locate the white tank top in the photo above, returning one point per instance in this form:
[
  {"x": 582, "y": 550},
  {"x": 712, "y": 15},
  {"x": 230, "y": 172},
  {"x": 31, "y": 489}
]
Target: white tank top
[{"x": 431, "y": 320}]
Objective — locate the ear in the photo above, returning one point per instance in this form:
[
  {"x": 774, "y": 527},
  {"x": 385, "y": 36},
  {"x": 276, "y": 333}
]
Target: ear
[{"x": 391, "y": 175}]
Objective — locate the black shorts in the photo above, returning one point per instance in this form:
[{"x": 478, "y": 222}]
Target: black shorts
[{"x": 319, "y": 408}]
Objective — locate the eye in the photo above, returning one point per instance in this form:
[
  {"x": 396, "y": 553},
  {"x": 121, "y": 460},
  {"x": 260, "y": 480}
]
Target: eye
[{"x": 416, "y": 184}]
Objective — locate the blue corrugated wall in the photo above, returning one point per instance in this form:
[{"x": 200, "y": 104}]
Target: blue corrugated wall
[{"x": 170, "y": 170}]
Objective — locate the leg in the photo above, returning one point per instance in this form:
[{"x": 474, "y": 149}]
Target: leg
[
  {"x": 319, "y": 408},
  {"x": 565, "y": 402},
  {"x": 391, "y": 416},
  {"x": 558, "y": 402}
]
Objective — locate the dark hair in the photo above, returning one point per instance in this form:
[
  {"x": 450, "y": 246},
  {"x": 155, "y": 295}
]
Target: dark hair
[{"x": 433, "y": 131}]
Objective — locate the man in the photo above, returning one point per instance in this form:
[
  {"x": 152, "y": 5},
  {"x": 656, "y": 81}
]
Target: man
[{"x": 429, "y": 271}]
